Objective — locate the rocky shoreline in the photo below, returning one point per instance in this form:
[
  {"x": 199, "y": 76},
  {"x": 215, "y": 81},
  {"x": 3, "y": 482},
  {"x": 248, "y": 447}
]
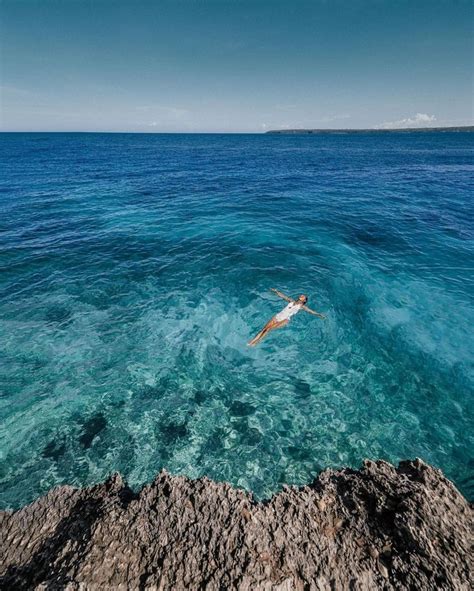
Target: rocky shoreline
[{"x": 380, "y": 527}]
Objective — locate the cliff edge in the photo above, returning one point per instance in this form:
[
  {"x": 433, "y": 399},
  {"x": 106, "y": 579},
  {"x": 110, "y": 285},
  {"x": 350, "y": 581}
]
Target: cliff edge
[{"x": 380, "y": 527}]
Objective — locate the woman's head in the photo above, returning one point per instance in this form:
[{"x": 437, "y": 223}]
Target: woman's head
[{"x": 302, "y": 299}]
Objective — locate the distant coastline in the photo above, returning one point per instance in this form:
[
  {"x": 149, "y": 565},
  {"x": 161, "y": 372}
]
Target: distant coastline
[
  {"x": 465, "y": 128},
  {"x": 468, "y": 128}
]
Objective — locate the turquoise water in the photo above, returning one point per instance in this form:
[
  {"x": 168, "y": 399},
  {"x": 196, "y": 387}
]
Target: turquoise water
[{"x": 134, "y": 269}]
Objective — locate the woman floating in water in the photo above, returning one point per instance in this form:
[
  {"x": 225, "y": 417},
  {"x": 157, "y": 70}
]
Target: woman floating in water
[{"x": 282, "y": 318}]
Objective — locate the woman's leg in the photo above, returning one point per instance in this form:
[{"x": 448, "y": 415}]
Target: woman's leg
[
  {"x": 266, "y": 329},
  {"x": 258, "y": 337}
]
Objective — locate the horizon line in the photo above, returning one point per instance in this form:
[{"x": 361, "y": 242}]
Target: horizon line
[{"x": 302, "y": 130}]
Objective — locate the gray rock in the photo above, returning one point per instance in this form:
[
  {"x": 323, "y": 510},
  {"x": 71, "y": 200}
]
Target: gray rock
[{"x": 377, "y": 528}]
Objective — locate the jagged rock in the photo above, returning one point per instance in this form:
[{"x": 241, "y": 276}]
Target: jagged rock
[{"x": 377, "y": 528}]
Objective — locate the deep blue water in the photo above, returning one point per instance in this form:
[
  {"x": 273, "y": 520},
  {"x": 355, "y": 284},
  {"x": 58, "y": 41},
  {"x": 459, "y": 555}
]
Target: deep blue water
[{"x": 134, "y": 269}]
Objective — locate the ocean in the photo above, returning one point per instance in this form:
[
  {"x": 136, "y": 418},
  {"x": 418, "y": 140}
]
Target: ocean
[{"x": 134, "y": 268}]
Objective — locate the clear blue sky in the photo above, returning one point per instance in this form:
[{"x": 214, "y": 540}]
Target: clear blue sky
[{"x": 234, "y": 65}]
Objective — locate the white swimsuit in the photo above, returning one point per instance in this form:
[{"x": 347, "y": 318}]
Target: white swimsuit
[{"x": 289, "y": 311}]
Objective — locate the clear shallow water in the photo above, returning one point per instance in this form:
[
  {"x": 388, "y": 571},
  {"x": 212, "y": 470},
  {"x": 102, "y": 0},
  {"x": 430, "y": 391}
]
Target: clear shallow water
[{"x": 134, "y": 269}]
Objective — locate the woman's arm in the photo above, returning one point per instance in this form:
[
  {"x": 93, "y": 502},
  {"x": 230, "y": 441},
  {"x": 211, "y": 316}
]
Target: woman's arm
[
  {"x": 306, "y": 309},
  {"x": 281, "y": 295}
]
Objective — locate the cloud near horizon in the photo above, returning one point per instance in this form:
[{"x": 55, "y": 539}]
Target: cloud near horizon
[{"x": 419, "y": 120}]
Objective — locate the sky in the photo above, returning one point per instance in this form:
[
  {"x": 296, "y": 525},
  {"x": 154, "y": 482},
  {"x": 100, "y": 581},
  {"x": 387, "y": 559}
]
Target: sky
[{"x": 234, "y": 65}]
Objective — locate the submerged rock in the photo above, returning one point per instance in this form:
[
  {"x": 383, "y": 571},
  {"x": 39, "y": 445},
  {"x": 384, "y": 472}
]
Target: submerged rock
[{"x": 377, "y": 528}]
